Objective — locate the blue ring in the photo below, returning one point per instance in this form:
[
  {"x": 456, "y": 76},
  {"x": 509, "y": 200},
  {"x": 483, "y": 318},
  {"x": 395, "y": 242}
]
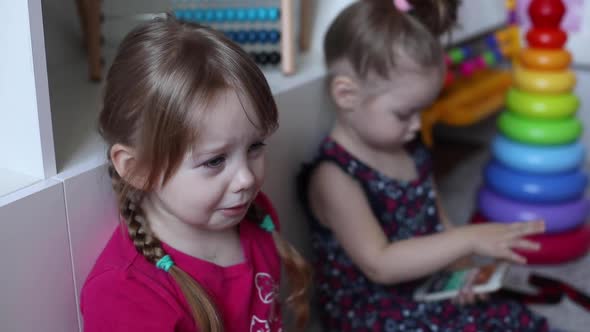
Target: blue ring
[
  {"x": 535, "y": 188},
  {"x": 538, "y": 159}
]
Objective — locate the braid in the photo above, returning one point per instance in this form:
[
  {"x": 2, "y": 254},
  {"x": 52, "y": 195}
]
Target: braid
[
  {"x": 297, "y": 271},
  {"x": 146, "y": 243}
]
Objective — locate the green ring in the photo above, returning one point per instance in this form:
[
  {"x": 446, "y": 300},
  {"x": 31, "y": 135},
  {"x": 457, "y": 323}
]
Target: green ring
[
  {"x": 542, "y": 106},
  {"x": 541, "y": 132}
]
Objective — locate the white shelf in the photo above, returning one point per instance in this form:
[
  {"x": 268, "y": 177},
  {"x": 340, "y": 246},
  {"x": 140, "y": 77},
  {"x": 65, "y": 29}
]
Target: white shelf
[
  {"x": 309, "y": 68},
  {"x": 75, "y": 104},
  {"x": 75, "y": 101},
  {"x": 11, "y": 181}
]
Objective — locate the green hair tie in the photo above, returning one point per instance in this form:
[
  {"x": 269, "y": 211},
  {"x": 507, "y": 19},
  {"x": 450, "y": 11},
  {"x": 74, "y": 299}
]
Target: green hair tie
[
  {"x": 165, "y": 263},
  {"x": 267, "y": 224}
]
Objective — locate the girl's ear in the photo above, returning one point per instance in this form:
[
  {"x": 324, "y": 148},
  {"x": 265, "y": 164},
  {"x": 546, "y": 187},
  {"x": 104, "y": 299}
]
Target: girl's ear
[
  {"x": 345, "y": 92},
  {"x": 125, "y": 162}
]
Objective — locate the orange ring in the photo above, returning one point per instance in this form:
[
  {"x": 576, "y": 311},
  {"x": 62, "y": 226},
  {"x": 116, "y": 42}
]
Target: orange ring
[{"x": 545, "y": 59}]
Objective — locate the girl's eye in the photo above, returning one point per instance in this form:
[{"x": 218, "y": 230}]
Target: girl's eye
[
  {"x": 215, "y": 162},
  {"x": 257, "y": 146},
  {"x": 405, "y": 117}
]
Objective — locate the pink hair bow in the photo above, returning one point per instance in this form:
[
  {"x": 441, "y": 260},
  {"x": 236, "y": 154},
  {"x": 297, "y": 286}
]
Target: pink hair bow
[{"x": 402, "y": 5}]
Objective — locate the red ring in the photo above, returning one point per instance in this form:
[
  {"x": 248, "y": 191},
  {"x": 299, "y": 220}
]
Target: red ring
[
  {"x": 555, "y": 248},
  {"x": 546, "y": 38}
]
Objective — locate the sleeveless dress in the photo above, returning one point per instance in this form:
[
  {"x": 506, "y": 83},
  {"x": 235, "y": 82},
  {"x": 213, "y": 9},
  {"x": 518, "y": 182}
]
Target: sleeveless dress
[{"x": 349, "y": 301}]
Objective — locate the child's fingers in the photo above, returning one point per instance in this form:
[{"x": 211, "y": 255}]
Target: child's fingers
[
  {"x": 526, "y": 228},
  {"x": 516, "y": 258},
  {"x": 483, "y": 296},
  {"x": 470, "y": 297},
  {"x": 526, "y": 245},
  {"x": 466, "y": 294}
]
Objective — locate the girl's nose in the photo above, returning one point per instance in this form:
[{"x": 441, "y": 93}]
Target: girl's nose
[
  {"x": 244, "y": 179},
  {"x": 416, "y": 122}
]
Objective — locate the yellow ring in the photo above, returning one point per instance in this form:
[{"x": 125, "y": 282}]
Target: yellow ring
[
  {"x": 548, "y": 82},
  {"x": 545, "y": 59},
  {"x": 542, "y": 106}
]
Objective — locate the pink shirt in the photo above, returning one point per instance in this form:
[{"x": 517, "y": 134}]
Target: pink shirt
[{"x": 124, "y": 292}]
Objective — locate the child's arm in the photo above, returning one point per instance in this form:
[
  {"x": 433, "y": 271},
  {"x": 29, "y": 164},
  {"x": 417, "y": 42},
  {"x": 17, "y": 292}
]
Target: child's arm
[
  {"x": 340, "y": 204},
  {"x": 461, "y": 262},
  {"x": 442, "y": 213}
]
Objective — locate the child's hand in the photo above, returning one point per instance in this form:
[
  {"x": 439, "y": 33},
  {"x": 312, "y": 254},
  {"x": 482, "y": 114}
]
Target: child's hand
[
  {"x": 466, "y": 295},
  {"x": 499, "y": 240}
]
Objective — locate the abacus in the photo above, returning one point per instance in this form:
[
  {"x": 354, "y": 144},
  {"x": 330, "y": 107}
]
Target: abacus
[{"x": 264, "y": 28}]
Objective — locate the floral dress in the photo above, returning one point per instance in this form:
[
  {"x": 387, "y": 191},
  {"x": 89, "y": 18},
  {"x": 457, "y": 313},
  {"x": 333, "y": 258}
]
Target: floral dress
[{"x": 349, "y": 301}]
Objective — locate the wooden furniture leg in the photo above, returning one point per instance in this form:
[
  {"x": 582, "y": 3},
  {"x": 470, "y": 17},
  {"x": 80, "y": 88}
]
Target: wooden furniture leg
[{"x": 89, "y": 13}]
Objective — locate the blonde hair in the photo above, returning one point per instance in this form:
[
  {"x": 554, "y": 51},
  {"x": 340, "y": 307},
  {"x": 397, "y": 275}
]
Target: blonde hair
[
  {"x": 162, "y": 69},
  {"x": 371, "y": 34}
]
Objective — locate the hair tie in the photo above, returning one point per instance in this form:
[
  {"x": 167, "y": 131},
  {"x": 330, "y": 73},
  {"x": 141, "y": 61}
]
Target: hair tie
[
  {"x": 402, "y": 5},
  {"x": 165, "y": 263},
  {"x": 267, "y": 224}
]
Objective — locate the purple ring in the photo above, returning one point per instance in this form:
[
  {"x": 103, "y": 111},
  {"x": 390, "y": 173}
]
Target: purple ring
[{"x": 558, "y": 217}]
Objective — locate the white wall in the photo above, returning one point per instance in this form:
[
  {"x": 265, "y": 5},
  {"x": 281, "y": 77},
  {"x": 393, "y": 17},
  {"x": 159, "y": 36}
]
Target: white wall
[
  {"x": 475, "y": 16},
  {"x": 26, "y": 140}
]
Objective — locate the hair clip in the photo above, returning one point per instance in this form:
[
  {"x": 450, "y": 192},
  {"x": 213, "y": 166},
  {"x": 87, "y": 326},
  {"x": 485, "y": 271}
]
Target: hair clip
[
  {"x": 267, "y": 224},
  {"x": 402, "y": 5},
  {"x": 165, "y": 263}
]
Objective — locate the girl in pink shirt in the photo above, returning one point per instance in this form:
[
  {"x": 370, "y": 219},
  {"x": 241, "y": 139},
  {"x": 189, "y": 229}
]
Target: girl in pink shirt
[{"x": 185, "y": 115}]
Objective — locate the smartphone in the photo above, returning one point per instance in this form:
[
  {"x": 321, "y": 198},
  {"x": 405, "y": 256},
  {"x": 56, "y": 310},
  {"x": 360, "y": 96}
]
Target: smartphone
[{"x": 447, "y": 284}]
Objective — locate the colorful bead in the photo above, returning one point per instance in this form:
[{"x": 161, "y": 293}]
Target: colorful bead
[
  {"x": 241, "y": 36},
  {"x": 251, "y": 14},
  {"x": 274, "y": 36},
  {"x": 241, "y": 14},
  {"x": 262, "y": 14},
  {"x": 489, "y": 58},
  {"x": 219, "y": 15},
  {"x": 199, "y": 15},
  {"x": 252, "y": 36},
  {"x": 456, "y": 55},
  {"x": 230, "y": 14},
  {"x": 263, "y": 36},
  {"x": 209, "y": 16},
  {"x": 275, "y": 58},
  {"x": 273, "y": 14}
]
